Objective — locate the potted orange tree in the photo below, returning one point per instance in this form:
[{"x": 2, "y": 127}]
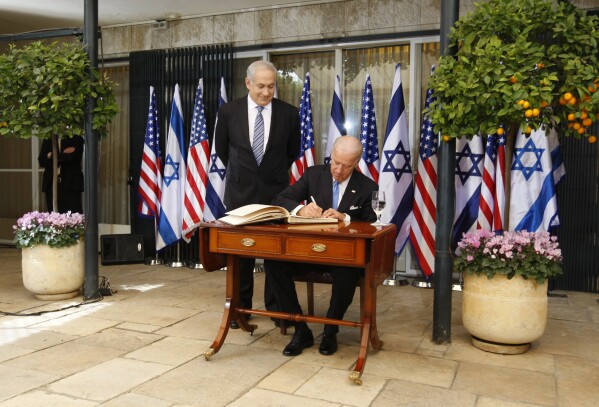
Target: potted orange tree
[{"x": 519, "y": 65}]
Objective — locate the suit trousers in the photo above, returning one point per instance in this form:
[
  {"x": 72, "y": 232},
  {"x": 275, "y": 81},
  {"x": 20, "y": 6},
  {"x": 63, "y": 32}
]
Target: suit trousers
[
  {"x": 279, "y": 275},
  {"x": 246, "y": 286}
]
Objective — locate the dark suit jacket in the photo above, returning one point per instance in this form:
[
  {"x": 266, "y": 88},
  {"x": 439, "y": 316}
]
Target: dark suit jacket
[
  {"x": 71, "y": 175},
  {"x": 317, "y": 182},
  {"x": 246, "y": 182}
]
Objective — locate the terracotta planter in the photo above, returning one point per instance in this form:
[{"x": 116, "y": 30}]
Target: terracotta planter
[
  {"x": 504, "y": 312},
  {"x": 53, "y": 273}
]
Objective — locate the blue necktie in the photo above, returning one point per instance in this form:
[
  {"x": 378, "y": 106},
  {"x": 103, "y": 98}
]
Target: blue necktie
[
  {"x": 335, "y": 195},
  {"x": 258, "y": 143}
]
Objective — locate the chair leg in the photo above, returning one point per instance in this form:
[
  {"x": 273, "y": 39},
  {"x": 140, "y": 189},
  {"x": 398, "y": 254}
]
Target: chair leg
[
  {"x": 310, "y": 294},
  {"x": 283, "y": 326}
]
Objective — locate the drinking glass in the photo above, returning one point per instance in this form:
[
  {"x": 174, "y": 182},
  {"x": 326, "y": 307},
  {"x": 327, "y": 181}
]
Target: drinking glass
[{"x": 378, "y": 204}]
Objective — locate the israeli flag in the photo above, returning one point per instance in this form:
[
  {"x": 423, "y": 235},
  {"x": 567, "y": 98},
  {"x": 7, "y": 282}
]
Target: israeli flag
[
  {"x": 217, "y": 173},
  {"x": 533, "y": 205},
  {"x": 173, "y": 180},
  {"x": 468, "y": 182},
  {"x": 337, "y": 120},
  {"x": 395, "y": 177}
]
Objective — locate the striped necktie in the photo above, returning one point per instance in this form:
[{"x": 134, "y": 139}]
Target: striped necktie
[
  {"x": 335, "y": 195},
  {"x": 258, "y": 143}
]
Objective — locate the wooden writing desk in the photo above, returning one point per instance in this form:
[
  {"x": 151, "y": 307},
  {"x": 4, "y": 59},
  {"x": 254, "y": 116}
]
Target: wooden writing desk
[{"x": 355, "y": 244}]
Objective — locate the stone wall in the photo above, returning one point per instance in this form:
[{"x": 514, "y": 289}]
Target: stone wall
[{"x": 285, "y": 24}]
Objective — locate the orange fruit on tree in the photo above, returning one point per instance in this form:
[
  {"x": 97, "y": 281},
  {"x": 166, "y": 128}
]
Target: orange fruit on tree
[
  {"x": 572, "y": 101},
  {"x": 536, "y": 112},
  {"x": 592, "y": 139},
  {"x": 528, "y": 113},
  {"x": 544, "y": 104},
  {"x": 587, "y": 122},
  {"x": 526, "y": 104},
  {"x": 513, "y": 79},
  {"x": 583, "y": 115},
  {"x": 571, "y": 117},
  {"x": 540, "y": 65},
  {"x": 592, "y": 88},
  {"x": 576, "y": 126},
  {"x": 500, "y": 131},
  {"x": 567, "y": 96},
  {"x": 446, "y": 138},
  {"x": 521, "y": 102},
  {"x": 581, "y": 130},
  {"x": 562, "y": 101}
]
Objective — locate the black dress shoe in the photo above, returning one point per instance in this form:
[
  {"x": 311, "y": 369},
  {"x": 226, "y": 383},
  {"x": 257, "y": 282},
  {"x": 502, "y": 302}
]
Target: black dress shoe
[
  {"x": 235, "y": 325},
  {"x": 301, "y": 339},
  {"x": 328, "y": 345}
]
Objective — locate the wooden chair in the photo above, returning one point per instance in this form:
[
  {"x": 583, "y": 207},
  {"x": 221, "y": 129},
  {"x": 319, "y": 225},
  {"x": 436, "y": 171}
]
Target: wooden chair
[{"x": 310, "y": 279}]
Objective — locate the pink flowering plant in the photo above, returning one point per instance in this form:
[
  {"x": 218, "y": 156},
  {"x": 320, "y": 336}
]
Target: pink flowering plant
[
  {"x": 530, "y": 255},
  {"x": 52, "y": 229}
]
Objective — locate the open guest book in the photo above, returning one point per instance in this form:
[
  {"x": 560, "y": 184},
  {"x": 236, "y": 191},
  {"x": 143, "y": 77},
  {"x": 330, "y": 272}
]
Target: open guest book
[{"x": 256, "y": 213}]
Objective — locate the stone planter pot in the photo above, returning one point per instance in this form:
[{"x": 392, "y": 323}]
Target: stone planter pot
[
  {"x": 504, "y": 316},
  {"x": 53, "y": 273}
]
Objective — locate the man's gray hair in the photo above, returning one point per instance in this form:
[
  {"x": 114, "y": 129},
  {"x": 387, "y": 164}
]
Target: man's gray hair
[
  {"x": 349, "y": 143},
  {"x": 254, "y": 66}
]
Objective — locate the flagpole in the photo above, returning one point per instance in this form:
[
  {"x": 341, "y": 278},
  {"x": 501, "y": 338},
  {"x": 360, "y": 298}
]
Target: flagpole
[
  {"x": 177, "y": 262},
  {"x": 395, "y": 279},
  {"x": 156, "y": 260}
]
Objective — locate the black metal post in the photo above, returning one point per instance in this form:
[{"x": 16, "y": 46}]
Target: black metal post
[
  {"x": 90, "y": 39},
  {"x": 445, "y": 205}
]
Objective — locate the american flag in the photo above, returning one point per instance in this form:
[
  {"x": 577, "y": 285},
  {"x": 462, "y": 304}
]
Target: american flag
[
  {"x": 306, "y": 155},
  {"x": 369, "y": 163},
  {"x": 499, "y": 205},
  {"x": 198, "y": 158},
  {"x": 150, "y": 178},
  {"x": 487, "y": 192},
  {"x": 422, "y": 232}
]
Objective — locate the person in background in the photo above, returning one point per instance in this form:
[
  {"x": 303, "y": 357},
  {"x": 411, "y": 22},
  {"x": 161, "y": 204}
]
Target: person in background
[
  {"x": 346, "y": 194},
  {"x": 70, "y": 174},
  {"x": 257, "y": 138}
]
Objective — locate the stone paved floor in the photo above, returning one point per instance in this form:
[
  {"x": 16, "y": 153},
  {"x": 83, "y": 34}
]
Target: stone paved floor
[{"x": 143, "y": 346}]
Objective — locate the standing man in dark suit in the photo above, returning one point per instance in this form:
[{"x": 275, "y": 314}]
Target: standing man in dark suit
[
  {"x": 257, "y": 138},
  {"x": 347, "y": 194},
  {"x": 70, "y": 175}
]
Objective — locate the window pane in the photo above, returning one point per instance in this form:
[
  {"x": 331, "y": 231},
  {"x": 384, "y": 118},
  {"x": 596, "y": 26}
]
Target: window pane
[
  {"x": 290, "y": 82},
  {"x": 380, "y": 63}
]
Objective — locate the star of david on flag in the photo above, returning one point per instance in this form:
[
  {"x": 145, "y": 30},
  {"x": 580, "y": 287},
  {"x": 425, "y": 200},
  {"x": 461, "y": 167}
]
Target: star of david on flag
[
  {"x": 215, "y": 193},
  {"x": 533, "y": 204},
  {"x": 369, "y": 163},
  {"x": 468, "y": 181},
  {"x": 395, "y": 177},
  {"x": 173, "y": 181}
]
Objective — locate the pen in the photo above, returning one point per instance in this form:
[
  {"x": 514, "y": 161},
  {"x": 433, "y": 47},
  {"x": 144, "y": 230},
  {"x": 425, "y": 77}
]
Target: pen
[{"x": 313, "y": 200}]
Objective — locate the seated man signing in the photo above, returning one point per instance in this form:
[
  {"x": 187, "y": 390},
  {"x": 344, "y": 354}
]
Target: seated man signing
[{"x": 347, "y": 194}]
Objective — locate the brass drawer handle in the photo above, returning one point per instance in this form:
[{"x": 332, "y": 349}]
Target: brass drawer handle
[
  {"x": 319, "y": 247},
  {"x": 247, "y": 242}
]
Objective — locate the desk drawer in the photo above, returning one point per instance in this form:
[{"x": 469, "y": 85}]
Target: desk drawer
[
  {"x": 322, "y": 248},
  {"x": 244, "y": 243}
]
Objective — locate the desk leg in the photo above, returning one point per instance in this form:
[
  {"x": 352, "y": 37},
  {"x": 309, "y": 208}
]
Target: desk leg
[
  {"x": 377, "y": 344},
  {"x": 355, "y": 375},
  {"x": 231, "y": 302}
]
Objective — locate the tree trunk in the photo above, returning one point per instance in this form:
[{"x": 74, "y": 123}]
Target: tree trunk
[
  {"x": 55, "y": 173},
  {"x": 510, "y": 143}
]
